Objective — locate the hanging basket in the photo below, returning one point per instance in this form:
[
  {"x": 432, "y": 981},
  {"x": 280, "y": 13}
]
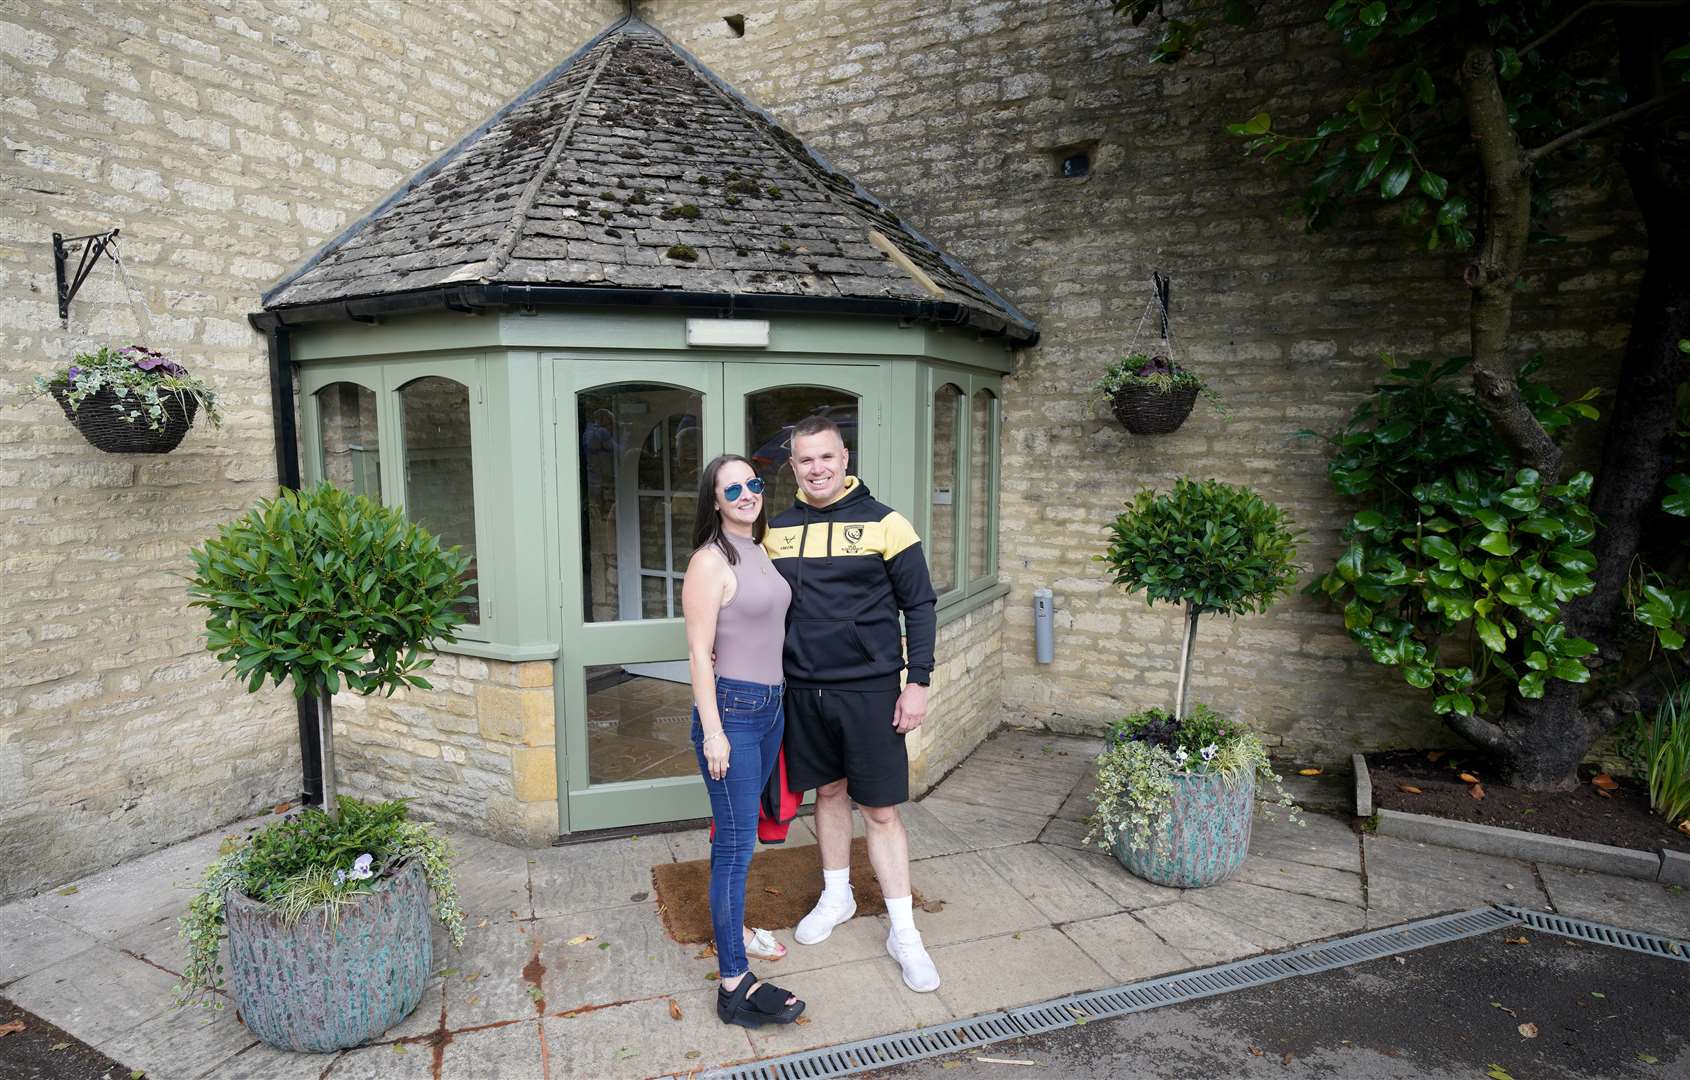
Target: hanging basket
[
  {"x": 1144, "y": 411},
  {"x": 106, "y": 428}
]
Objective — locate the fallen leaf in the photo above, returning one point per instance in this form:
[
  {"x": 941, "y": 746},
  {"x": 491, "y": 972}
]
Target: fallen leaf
[
  {"x": 536, "y": 994},
  {"x": 60, "y": 1046},
  {"x": 1497, "y": 1072},
  {"x": 1477, "y": 791},
  {"x": 1684, "y": 826},
  {"x": 1521, "y": 940},
  {"x": 771, "y": 890},
  {"x": 802, "y": 1020},
  {"x": 1016, "y": 935},
  {"x": 1598, "y": 994},
  {"x": 473, "y": 999},
  {"x": 1504, "y": 1008},
  {"x": 137, "y": 1074},
  {"x": 11, "y": 1028},
  {"x": 445, "y": 973},
  {"x": 579, "y": 939},
  {"x": 693, "y": 1055},
  {"x": 1604, "y": 781},
  {"x": 712, "y": 976},
  {"x": 1528, "y": 1031},
  {"x": 1648, "y": 1059},
  {"x": 68, "y": 890},
  {"x": 1410, "y": 788},
  {"x": 932, "y": 907},
  {"x": 674, "y": 1010},
  {"x": 472, "y": 977},
  {"x": 1285, "y": 1058},
  {"x": 705, "y": 953},
  {"x": 953, "y": 1064},
  {"x": 1469, "y": 778},
  {"x": 481, "y": 925},
  {"x": 282, "y": 807},
  {"x": 1605, "y": 793},
  {"x": 1257, "y": 1051},
  {"x": 398, "y": 1048},
  {"x": 1308, "y": 772},
  {"x": 625, "y": 1052},
  {"x": 1433, "y": 755},
  {"x": 604, "y": 945}
]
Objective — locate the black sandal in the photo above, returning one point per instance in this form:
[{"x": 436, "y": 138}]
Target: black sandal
[{"x": 753, "y": 1008}]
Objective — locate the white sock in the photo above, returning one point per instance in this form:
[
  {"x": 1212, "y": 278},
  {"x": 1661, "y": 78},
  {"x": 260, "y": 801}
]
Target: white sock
[
  {"x": 836, "y": 886},
  {"x": 899, "y": 911}
]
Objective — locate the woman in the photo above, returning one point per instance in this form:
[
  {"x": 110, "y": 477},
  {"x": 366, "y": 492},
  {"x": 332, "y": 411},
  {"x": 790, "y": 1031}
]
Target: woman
[{"x": 735, "y": 605}]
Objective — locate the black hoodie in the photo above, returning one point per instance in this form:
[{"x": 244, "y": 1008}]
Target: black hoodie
[{"x": 853, "y": 565}]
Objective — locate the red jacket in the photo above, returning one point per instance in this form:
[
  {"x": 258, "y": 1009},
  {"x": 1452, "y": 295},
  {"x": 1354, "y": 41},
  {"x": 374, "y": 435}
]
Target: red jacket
[{"x": 777, "y": 807}]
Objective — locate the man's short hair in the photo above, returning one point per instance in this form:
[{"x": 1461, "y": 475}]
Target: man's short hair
[{"x": 816, "y": 425}]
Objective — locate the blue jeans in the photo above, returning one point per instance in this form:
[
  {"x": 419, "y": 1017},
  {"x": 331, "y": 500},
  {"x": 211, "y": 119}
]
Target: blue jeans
[{"x": 753, "y": 721}]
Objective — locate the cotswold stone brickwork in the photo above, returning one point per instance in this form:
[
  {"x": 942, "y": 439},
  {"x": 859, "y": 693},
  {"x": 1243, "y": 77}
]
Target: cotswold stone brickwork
[
  {"x": 227, "y": 138},
  {"x": 478, "y": 750},
  {"x": 958, "y": 114},
  {"x": 966, "y": 702}
]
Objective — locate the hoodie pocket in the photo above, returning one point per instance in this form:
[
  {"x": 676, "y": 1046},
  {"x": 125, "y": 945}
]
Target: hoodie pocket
[{"x": 828, "y": 645}]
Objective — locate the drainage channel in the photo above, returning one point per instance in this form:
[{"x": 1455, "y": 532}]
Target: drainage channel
[
  {"x": 1602, "y": 934},
  {"x": 976, "y": 1031}
]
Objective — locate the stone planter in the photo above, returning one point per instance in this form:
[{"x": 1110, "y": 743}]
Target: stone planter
[
  {"x": 309, "y": 988},
  {"x": 1203, "y": 837}
]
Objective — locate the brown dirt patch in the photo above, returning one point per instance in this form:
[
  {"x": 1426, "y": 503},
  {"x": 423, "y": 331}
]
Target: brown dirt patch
[
  {"x": 784, "y": 884},
  {"x": 1621, "y": 818}
]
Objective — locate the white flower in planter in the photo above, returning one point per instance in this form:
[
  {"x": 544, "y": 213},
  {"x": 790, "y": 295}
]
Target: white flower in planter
[{"x": 360, "y": 870}]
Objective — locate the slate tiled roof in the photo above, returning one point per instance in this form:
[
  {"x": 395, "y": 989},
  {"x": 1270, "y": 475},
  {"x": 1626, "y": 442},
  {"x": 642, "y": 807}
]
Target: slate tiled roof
[{"x": 632, "y": 157}]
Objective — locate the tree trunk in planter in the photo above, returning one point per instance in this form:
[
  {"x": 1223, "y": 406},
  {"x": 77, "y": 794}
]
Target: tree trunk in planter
[
  {"x": 1188, "y": 643},
  {"x": 311, "y": 988},
  {"x": 325, "y": 738}
]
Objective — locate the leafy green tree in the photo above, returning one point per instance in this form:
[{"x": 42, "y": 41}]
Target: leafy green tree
[
  {"x": 1463, "y": 113},
  {"x": 326, "y": 590}
]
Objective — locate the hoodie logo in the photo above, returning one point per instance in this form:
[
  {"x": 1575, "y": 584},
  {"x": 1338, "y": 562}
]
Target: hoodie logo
[{"x": 853, "y": 533}]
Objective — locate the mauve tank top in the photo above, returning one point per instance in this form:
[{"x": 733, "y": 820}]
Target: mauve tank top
[{"x": 751, "y": 628}]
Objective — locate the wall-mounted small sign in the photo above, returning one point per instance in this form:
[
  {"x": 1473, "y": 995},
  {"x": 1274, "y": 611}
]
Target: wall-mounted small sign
[
  {"x": 942, "y": 496},
  {"x": 728, "y": 333}
]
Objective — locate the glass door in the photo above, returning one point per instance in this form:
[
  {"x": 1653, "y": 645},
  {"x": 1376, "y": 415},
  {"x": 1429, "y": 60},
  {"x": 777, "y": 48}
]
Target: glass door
[{"x": 632, "y": 440}]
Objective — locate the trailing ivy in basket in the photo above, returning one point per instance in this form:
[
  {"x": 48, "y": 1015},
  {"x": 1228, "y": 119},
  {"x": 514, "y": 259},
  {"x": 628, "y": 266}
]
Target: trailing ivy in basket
[
  {"x": 1144, "y": 752},
  {"x": 327, "y": 590},
  {"x": 1155, "y": 374},
  {"x": 1457, "y": 566},
  {"x": 311, "y": 864},
  {"x": 140, "y": 380}
]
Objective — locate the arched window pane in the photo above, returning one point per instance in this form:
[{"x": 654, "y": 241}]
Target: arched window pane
[
  {"x": 639, "y": 462},
  {"x": 439, "y": 474},
  {"x": 941, "y": 541},
  {"x": 982, "y": 454},
  {"x": 349, "y": 446},
  {"x": 769, "y": 419}
]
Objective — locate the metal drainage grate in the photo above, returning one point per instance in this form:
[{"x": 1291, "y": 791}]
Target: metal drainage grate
[
  {"x": 1603, "y": 934},
  {"x": 1076, "y": 1009}
]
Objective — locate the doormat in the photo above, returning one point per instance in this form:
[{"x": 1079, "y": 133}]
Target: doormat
[{"x": 784, "y": 884}]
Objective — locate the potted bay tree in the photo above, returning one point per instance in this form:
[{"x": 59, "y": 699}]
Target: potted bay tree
[
  {"x": 326, "y": 911},
  {"x": 1176, "y": 790}
]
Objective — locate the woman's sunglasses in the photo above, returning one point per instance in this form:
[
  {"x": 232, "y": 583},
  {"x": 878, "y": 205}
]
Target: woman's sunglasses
[{"x": 733, "y": 491}]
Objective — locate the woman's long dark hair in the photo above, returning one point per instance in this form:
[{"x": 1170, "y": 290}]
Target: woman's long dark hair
[{"x": 707, "y": 525}]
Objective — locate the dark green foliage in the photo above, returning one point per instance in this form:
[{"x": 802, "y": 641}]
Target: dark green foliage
[
  {"x": 1217, "y": 547},
  {"x": 688, "y": 211},
  {"x": 682, "y": 253},
  {"x": 326, "y": 589},
  {"x": 742, "y": 187},
  {"x": 1458, "y": 564},
  {"x": 312, "y": 839}
]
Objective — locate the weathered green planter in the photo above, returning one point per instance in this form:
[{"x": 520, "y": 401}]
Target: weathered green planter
[
  {"x": 313, "y": 989},
  {"x": 1203, "y": 837}
]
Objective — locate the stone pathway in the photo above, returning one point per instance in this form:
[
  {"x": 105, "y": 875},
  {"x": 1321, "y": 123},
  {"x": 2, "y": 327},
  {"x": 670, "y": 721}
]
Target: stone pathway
[{"x": 1029, "y": 913}]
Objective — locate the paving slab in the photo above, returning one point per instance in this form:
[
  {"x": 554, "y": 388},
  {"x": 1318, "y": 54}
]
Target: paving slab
[
  {"x": 1014, "y": 969},
  {"x": 35, "y": 941},
  {"x": 260, "y": 1062},
  {"x": 1319, "y": 841},
  {"x": 1619, "y": 901},
  {"x": 928, "y": 836},
  {"x": 643, "y": 1038},
  {"x": 1078, "y": 805},
  {"x": 1108, "y": 876},
  {"x": 985, "y": 826},
  {"x": 1414, "y": 879},
  {"x": 978, "y": 902},
  {"x": 1021, "y": 788},
  {"x": 114, "y": 902},
  {"x": 582, "y": 877},
  {"x": 1307, "y": 879},
  {"x": 160, "y": 942},
  {"x": 630, "y": 956},
  {"x": 502, "y": 1053},
  {"x": 855, "y": 939},
  {"x": 424, "y": 1020},
  {"x": 1065, "y": 832},
  {"x": 1023, "y": 744},
  {"x": 1204, "y": 936},
  {"x": 1049, "y": 883},
  {"x": 1126, "y": 948},
  {"x": 492, "y": 878},
  {"x": 485, "y": 983},
  {"x": 398, "y": 1061},
  {"x": 96, "y": 995},
  {"x": 180, "y": 1044},
  {"x": 1286, "y": 915},
  {"x": 847, "y": 1003}
]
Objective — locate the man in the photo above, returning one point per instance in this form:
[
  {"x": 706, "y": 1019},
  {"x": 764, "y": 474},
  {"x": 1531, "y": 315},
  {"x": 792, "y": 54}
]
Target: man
[{"x": 853, "y": 565}]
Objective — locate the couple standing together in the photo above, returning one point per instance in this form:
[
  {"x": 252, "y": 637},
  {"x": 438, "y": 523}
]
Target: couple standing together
[{"x": 793, "y": 636}]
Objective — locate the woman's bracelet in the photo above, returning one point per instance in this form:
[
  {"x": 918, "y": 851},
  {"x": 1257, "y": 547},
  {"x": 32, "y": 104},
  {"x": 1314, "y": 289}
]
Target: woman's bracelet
[{"x": 714, "y": 735}]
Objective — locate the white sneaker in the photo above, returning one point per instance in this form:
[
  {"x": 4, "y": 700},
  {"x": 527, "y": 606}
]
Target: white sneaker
[
  {"x": 814, "y": 928},
  {"x": 919, "y": 973}
]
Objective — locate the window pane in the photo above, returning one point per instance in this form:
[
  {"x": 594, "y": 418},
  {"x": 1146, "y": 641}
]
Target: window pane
[
  {"x": 769, "y": 419},
  {"x": 350, "y": 448},
  {"x": 982, "y": 453},
  {"x": 639, "y": 457},
  {"x": 439, "y": 476},
  {"x": 941, "y": 542},
  {"x": 639, "y": 722}
]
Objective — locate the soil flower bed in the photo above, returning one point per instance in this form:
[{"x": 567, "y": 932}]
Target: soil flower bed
[{"x": 1618, "y": 816}]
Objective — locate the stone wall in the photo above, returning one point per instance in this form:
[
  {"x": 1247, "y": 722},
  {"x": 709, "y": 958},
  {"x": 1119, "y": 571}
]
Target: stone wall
[
  {"x": 478, "y": 750},
  {"x": 966, "y": 701},
  {"x": 958, "y": 114},
  {"x": 227, "y": 138}
]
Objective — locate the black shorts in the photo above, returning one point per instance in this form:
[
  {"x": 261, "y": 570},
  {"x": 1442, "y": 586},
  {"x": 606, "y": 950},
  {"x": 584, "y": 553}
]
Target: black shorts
[{"x": 846, "y": 734}]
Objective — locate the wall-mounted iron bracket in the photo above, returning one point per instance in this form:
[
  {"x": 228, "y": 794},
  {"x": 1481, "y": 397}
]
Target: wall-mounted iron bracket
[{"x": 94, "y": 245}]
